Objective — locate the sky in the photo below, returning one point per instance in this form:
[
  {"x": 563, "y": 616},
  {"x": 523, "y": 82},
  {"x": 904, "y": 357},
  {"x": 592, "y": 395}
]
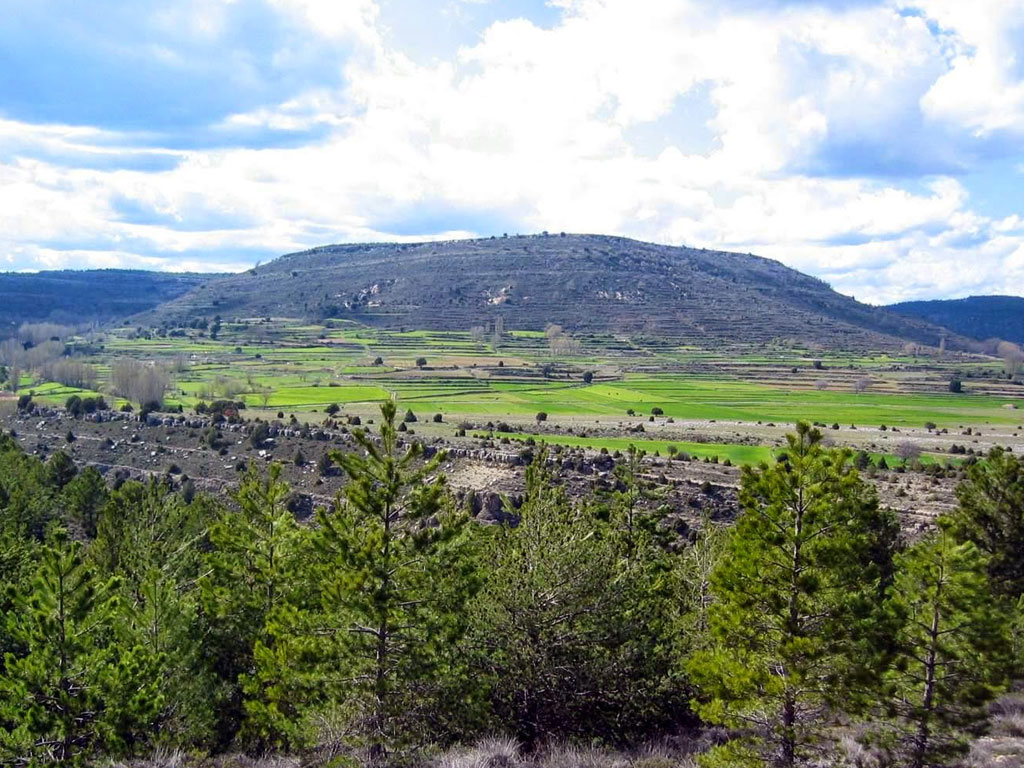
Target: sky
[{"x": 877, "y": 145}]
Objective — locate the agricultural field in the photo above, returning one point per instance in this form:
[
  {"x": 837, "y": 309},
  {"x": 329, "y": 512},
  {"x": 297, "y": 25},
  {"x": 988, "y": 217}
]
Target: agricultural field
[{"x": 607, "y": 393}]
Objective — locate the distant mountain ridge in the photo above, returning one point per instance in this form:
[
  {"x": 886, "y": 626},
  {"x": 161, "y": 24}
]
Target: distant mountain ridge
[
  {"x": 983, "y": 317},
  {"x": 585, "y": 283},
  {"x": 88, "y": 295}
]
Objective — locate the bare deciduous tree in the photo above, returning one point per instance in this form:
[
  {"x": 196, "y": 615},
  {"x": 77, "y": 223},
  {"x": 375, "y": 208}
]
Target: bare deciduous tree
[
  {"x": 70, "y": 373},
  {"x": 561, "y": 343},
  {"x": 908, "y": 450},
  {"x": 11, "y": 351},
  {"x": 13, "y": 376},
  {"x": 499, "y": 331},
  {"x": 138, "y": 381},
  {"x": 1013, "y": 358},
  {"x": 37, "y": 333},
  {"x": 863, "y": 384}
]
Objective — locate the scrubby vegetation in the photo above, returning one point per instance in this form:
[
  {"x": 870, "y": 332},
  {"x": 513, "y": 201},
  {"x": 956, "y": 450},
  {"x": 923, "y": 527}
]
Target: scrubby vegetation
[{"x": 391, "y": 630}]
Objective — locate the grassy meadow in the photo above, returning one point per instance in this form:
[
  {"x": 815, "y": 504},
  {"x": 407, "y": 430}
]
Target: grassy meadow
[{"x": 607, "y": 384}]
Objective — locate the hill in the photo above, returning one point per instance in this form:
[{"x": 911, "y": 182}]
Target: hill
[
  {"x": 983, "y": 317},
  {"x": 585, "y": 283},
  {"x": 83, "y": 296}
]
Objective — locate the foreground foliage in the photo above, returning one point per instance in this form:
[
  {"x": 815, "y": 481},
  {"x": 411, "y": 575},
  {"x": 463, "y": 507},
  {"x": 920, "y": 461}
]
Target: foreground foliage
[{"x": 140, "y": 617}]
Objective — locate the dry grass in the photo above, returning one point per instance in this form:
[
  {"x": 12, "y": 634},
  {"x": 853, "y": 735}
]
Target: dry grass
[
  {"x": 997, "y": 752},
  {"x": 1003, "y": 747},
  {"x": 506, "y": 753},
  {"x": 163, "y": 758}
]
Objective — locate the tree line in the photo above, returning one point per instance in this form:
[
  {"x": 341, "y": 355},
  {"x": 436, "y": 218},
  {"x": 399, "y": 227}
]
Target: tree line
[{"x": 138, "y": 617}]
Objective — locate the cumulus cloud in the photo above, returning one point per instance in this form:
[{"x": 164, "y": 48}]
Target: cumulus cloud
[{"x": 837, "y": 137}]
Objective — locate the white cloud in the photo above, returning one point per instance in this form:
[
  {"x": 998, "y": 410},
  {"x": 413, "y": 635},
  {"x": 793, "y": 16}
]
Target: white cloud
[
  {"x": 984, "y": 86},
  {"x": 531, "y": 125}
]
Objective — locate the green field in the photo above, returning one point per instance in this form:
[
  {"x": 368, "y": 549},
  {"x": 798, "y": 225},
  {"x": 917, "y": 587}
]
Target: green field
[
  {"x": 282, "y": 366},
  {"x": 737, "y": 454}
]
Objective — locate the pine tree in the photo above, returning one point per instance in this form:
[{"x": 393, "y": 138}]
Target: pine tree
[
  {"x": 794, "y": 594},
  {"x": 151, "y": 540},
  {"x": 161, "y": 616},
  {"x": 991, "y": 514},
  {"x": 147, "y": 527},
  {"x": 28, "y": 500},
  {"x": 84, "y": 497},
  {"x": 568, "y": 626},
  {"x": 400, "y": 577},
  {"x": 635, "y": 525},
  {"x": 68, "y": 691},
  {"x": 60, "y": 469},
  {"x": 637, "y": 623},
  {"x": 251, "y": 573},
  {"x": 951, "y": 649},
  {"x": 692, "y": 574}
]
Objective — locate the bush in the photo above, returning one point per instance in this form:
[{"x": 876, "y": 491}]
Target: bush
[
  {"x": 541, "y": 416},
  {"x": 409, "y": 417},
  {"x": 332, "y": 409},
  {"x": 259, "y": 435},
  {"x": 438, "y": 418},
  {"x": 656, "y": 411},
  {"x": 324, "y": 465}
]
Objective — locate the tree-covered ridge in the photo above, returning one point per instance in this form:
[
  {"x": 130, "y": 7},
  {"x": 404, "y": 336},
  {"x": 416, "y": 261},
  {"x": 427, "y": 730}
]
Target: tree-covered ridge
[
  {"x": 982, "y": 317},
  {"x": 137, "y": 618},
  {"x": 88, "y": 295}
]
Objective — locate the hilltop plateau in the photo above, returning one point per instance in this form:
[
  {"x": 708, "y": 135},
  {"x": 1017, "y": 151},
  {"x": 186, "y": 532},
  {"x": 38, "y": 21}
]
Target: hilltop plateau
[{"x": 585, "y": 283}]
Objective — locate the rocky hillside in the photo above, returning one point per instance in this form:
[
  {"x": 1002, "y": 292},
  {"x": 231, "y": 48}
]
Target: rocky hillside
[{"x": 585, "y": 283}]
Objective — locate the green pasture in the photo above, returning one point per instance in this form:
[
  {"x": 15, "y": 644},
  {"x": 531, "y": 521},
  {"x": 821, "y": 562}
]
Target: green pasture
[
  {"x": 736, "y": 453},
  {"x": 692, "y": 398},
  {"x": 301, "y": 368}
]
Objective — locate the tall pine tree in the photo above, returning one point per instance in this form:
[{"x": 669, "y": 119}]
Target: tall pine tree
[
  {"x": 951, "y": 649},
  {"x": 70, "y": 689},
  {"x": 395, "y": 602},
  {"x": 795, "y": 592},
  {"x": 251, "y": 573},
  {"x": 991, "y": 514}
]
